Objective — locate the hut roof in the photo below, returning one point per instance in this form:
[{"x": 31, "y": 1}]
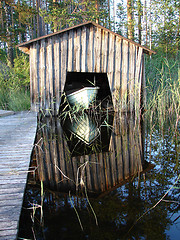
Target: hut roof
[{"x": 26, "y": 45}]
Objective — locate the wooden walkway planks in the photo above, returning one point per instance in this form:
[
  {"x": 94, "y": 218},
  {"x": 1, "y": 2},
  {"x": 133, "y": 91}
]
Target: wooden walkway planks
[{"x": 17, "y": 134}]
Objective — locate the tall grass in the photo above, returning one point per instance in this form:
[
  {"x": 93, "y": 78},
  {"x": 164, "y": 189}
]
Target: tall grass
[
  {"x": 14, "y": 85},
  {"x": 163, "y": 91}
]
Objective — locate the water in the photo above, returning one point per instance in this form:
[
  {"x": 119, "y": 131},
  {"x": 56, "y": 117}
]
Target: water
[{"x": 110, "y": 191}]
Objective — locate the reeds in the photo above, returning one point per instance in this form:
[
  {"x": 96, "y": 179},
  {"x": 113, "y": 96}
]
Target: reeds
[{"x": 163, "y": 96}]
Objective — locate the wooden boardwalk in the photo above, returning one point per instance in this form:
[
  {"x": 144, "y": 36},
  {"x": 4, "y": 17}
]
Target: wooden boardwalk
[{"x": 17, "y": 134}]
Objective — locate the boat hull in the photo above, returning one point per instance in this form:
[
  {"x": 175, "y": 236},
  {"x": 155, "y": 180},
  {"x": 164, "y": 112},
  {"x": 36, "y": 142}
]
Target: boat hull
[
  {"x": 84, "y": 128},
  {"x": 83, "y": 97}
]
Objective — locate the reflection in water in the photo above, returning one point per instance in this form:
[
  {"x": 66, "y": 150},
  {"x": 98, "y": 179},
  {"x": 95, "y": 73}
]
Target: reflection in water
[
  {"x": 83, "y": 127},
  {"x": 92, "y": 182},
  {"x": 101, "y": 169},
  {"x": 86, "y": 132}
]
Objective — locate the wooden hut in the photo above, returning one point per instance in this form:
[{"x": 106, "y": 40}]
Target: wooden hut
[{"x": 87, "y": 48}]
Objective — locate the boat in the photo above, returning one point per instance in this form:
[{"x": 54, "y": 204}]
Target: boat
[
  {"x": 83, "y": 97},
  {"x": 84, "y": 128}
]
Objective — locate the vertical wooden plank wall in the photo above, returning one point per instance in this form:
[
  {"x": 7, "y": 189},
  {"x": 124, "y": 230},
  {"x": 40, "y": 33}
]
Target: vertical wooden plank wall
[
  {"x": 64, "y": 61},
  {"x": 85, "y": 49},
  {"x": 42, "y": 75},
  {"x": 33, "y": 77},
  {"x": 102, "y": 171},
  {"x": 138, "y": 78},
  {"x": 111, "y": 61},
  {"x": 131, "y": 76},
  {"x": 124, "y": 82},
  {"x": 57, "y": 71},
  {"x": 31, "y": 59},
  {"x": 118, "y": 71}
]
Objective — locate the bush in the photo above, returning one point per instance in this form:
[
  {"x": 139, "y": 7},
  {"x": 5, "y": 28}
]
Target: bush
[
  {"x": 19, "y": 100},
  {"x": 14, "y": 85}
]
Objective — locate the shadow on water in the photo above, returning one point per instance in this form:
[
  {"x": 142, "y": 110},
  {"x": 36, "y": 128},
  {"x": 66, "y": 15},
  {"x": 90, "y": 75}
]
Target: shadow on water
[{"x": 90, "y": 179}]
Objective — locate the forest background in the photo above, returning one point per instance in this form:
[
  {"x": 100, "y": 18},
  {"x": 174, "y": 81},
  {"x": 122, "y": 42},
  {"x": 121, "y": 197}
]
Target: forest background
[{"x": 152, "y": 23}]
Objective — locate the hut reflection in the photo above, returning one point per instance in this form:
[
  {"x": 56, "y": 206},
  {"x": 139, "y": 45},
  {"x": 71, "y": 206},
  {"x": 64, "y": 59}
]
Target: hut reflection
[{"x": 68, "y": 163}]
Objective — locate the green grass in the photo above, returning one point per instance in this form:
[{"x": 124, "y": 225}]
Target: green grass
[
  {"x": 14, "y": 85},
  {"x": 163, "y": 90},
  {"x": 19, "y": 101},
  {"x": 15, "y": 100}
]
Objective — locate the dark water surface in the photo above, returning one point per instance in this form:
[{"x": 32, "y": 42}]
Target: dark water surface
[{"x": 104, "y": 183}]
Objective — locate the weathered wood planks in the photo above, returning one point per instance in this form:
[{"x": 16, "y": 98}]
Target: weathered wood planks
[
  {"x": 102, "y": 170},
  {"x": 16, "y": 142},
  {"x": 92, "y": 49}
]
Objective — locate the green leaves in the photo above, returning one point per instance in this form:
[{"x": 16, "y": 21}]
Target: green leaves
[
  {"x": 68, "y": 13},
  {"x": 14, "y": 84}
]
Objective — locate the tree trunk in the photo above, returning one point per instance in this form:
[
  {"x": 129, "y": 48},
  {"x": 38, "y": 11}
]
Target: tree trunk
[
  {"x": 109, "y": 15},
  {"x": 97, "y": 8},
  {"x": 114, "y": 14},
  {"x": 1, "y": 15},
  {"x": 150, "y": 28},
  {"x": 9, "y": 34},
  {"x": 34, "y": 22},
  {"x": 55, "y": 23},
  {"x": 139, "y": 21},
  {"x": 178, "y": 32},
  {"x": 130, "y": 19},
  {"x": 144, "y": 25},
  {"x": 38, "y": 18}
]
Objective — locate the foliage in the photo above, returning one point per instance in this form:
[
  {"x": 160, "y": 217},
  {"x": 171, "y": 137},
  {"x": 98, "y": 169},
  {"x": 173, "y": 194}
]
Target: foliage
[
  {"x": 17, "y": 18},
  {"x": 128, "y": 22},
  {"x": 21, "y": 70},
  {"x": 156, "y": 23},
  {"x": 2, "y": 55},
  {"x": 166, "y": 21},
  {"x": 163, "y": 90},
  {"x": 68, "y": 13},
  {"x": 14, "y": 85},
  {"x": 121, "y": 13},
  {"x": 19, "y": 101}
]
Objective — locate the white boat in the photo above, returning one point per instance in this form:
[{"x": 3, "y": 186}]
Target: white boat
[
  {"x": 83, "y": 97},
  {"x": 84, "y": 128}
]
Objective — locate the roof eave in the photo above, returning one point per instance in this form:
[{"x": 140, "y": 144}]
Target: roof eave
[{"x": 26, "y": 46}]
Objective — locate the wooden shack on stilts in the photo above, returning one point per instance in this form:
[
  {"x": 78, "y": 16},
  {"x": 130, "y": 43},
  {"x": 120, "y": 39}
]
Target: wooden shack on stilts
[{"x": 59, "y": 60}]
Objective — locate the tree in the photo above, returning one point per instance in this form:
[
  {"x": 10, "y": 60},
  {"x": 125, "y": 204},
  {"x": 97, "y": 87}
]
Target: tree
[
  {"x": 153, "y": 22},
  {"x": 166, "y": 21},
  {"x": 14, "y": 25},
  {"x": 139, "y": 9},
  {"x": 130, "y": 23},
  {"x": 7, "y": 31},
  {"x": 122, "y": 16},
  {"x": 68, "y": 13}
]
